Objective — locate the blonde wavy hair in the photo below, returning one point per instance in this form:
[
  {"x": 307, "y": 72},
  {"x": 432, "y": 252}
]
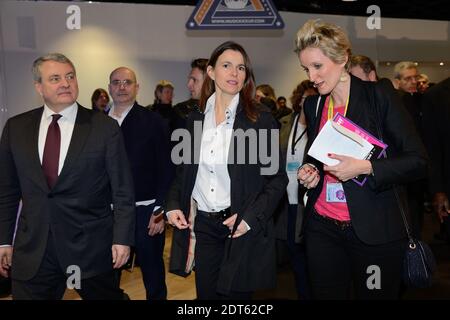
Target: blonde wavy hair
[{"x": 327, "y": 37}]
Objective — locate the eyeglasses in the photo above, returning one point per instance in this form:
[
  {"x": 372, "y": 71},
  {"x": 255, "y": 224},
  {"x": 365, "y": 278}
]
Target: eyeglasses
[
  {"x": 411, "y": 78},
  {"x": 125, "y": 83}
]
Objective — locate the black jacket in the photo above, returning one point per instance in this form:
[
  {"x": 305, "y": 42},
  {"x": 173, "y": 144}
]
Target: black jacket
[
  {"x": 436, "y": 120},
  {"x": 77, "y": 210},
  {"x": 250, "y": 261},
  {"x": 373, "y": 208},
  {"x": 147, "y": 143}
]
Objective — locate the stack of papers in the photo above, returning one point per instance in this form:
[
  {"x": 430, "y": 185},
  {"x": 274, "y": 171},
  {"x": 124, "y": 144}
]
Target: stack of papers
[
  {"x": 335, "y": 138},
  {"x": 342, "y": 136}
]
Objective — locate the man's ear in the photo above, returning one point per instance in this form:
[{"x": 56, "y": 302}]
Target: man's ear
[
  {"x": 396, "y": 83},
  {"x": 372, "y": 76},
  {"x": 38, "y": 87}
]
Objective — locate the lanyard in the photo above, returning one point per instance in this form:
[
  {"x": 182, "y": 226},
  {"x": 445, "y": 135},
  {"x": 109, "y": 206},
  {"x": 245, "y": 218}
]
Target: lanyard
[
  {"x": 331, "y": 106},
  {"x": 295, "y": 141}
]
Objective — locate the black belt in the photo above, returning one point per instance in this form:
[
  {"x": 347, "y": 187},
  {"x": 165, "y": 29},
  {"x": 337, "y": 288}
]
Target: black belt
[
  {"x": 218, "y": 215},
  {"x": 341, "y": 224}
]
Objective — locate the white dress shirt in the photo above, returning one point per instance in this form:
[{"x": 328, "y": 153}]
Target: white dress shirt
[
  {"x": 122, "y": 116},
  {"x": 66, "y": 124},
  {"x": 212, "y": 189}
]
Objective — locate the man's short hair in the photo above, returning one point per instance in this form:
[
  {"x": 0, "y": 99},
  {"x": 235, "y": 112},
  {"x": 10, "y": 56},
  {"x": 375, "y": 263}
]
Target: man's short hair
[
  {"x": 57, "y": 57},
  {"x": 364, "y": 62},
  {"x": 403, "y": 65},
  {"x": 200, "y": 64}
]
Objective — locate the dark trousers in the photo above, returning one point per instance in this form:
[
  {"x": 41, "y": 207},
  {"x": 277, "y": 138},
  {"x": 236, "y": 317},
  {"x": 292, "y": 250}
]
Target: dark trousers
[
  {"x": 337, "y": 259},
  {"x": 210, "y": 235},
  {"x": 149, "y": 253},
  {"x": 49, "y": 283},
  {"x": 297, "y": 255}
]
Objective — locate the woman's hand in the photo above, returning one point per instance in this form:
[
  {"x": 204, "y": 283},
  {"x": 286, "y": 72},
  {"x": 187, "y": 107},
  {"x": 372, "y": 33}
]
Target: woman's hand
[
  {"x": 156, "y": 224},
  {"x": 348, "y": 167},
  {"x": 240, "y": 230},
  {"x": 176, "y": 218},
  {"x": 308, "y": 176}
]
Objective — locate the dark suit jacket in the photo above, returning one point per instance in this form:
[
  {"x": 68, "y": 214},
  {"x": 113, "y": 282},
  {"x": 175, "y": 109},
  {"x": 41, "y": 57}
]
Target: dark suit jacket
[
  {"x": 250, "y": 261},
  {"x": 436, "y": 120},
  {"x": 373, "y": 207},
  {"x": 147, "y": 143},
  {"x": 77, "y": 211}
]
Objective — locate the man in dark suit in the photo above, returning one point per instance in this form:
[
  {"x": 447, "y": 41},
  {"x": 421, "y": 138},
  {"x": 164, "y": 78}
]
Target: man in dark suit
[
  {"x": 436, "y": 119},
  {"x": 147, "y": 143},
  {"x": 68, "y": 165},
  {"x": 194, "y": 84}
]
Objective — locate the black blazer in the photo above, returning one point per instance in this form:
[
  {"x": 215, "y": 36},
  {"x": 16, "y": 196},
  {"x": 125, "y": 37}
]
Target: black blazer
[
  {"x": 436, "y": 120},
  {"x": 77, "y": 211},
  {"x": 250, "y": 262},
  {"x": 147, "y": 143},
  {"x": 373, "y": 207}
]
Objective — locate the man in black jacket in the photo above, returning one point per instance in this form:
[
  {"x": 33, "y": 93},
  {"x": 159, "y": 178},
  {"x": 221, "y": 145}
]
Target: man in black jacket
[
  {"x": 68, "y": 165},
  {"x": 194, "y": 84},
  {"x": 436, "y": 119},
  {"x": 147, "y": 144}
]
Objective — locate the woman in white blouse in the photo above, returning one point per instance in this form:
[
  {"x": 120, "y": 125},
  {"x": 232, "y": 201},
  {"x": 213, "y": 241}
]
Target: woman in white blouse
[{"x": 224, "y": 195}]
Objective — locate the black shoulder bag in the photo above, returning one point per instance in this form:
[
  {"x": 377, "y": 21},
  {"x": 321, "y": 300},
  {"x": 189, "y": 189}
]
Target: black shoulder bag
[{"x": 419, "y": 263}]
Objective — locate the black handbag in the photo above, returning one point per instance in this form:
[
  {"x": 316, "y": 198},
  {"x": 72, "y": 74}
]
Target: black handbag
[{"x": 419, "y": 263}]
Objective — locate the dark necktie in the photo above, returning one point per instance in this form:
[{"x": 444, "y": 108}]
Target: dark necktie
[{"x": 50, "y": 159}]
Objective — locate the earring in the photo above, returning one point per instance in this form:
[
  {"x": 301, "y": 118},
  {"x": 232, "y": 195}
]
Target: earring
[{"x": 344, "y": 77}]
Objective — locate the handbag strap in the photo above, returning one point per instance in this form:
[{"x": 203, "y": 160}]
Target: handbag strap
[{"x": 375, "y": 109}]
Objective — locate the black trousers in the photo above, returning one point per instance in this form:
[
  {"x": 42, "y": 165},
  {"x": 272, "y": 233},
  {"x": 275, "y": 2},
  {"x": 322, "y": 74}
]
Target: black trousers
[
  {"x": 339, "y": 263},
  {"x": 210, "y": 236},
  {"x": 297, "y": 256},
  {"x": 50, "y": 282},
  {"x": 149, "y": 253}
]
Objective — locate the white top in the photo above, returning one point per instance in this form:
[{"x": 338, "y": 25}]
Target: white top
[
  {"x": 122, "y": 116},
  {"x": 294, "y": 160},
  {"x": 213, "y": 186},
  {"x": 66, "y": 124}
]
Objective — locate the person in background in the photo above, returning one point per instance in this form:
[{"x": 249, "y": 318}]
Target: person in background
[
  {"x": 289, "y": 218},
  {"x": 69, "y": 166},
  {"x": 281, "y": 102},
  {"x": 163, "y": 105},
  {"x": 436, "y": 118},
  {"x": 423, "y": 83},
  {"x": 406, "y": 77},
  {"x": 100, "y": 100},
  {"x": 146, "y": 141},
  {"x": 351, "y": 228},
  {"x": 363, "y": 68},
  {"x": 194, "y": 84},
  {"x": 265, "y": 91},
  {"x": 227, "y": 203}
]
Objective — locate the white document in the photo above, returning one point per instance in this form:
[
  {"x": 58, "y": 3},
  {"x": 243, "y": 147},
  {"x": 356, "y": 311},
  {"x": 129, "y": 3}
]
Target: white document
[{"x": 334, "y": 138}]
